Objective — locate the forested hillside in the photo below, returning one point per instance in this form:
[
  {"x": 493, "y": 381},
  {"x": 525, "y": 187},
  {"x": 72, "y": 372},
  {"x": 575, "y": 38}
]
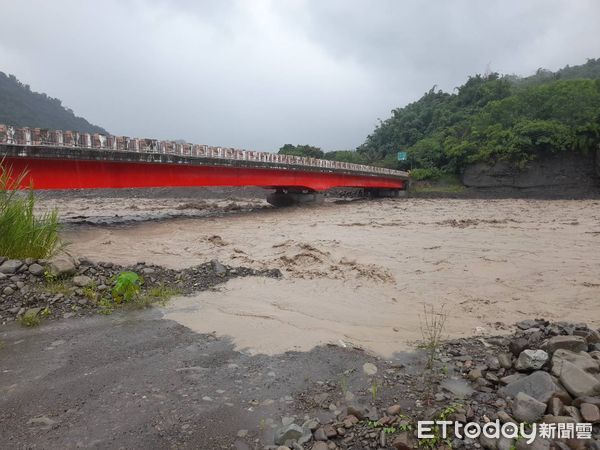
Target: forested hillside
[
  {"x": 19, "y": 106},
  {"x": 492, "y": 118}
]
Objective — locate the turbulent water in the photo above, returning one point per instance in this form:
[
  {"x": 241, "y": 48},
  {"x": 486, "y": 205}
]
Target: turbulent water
[{"x": 360, "y": 273}]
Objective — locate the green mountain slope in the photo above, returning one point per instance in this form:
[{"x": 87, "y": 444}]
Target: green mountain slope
[
  {"x": 493, "y": 118},
  {"x": 21, "y": 107}
]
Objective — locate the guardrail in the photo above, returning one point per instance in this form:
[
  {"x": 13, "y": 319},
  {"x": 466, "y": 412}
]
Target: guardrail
[{"x": 72, "y": 139}]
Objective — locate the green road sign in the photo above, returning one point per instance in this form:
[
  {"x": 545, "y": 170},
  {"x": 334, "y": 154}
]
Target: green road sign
[{"x": 401, "y": 156}]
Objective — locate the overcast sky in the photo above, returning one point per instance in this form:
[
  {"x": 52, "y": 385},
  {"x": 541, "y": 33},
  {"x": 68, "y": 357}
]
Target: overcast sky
[{"x": 262, "y": 73}]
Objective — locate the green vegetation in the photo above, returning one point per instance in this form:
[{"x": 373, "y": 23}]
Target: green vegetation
[
  {"x": 310, "y": 151},
  {"x": 433, "y": 323},
  {"x": 30, "y": 319},
  {"x": 127, "y": 292},
  {"x": 24, "y": 235},
  {"x": 437, "y": 440},
  {"x": 127, "y": 287},
  {"x": 492, "y": 118},
  {"x": 489, "y": 118},
  {"x": 55, "y": 285},
  {"x": 21, "y": 107}
]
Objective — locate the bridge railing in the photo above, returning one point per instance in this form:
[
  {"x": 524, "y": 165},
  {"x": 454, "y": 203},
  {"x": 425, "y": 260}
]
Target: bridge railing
[{"x": 73, "y": 139}]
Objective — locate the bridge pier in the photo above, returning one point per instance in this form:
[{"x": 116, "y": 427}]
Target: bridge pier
[
  {"x": 289, "y": 197},
  {"x": 385, "y": 193}
]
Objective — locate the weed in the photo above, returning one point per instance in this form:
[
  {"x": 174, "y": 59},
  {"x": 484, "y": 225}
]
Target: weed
[
  {"x": 374, "y": 389},
  {"x": 30, "y": 319},
  {"x": 163, "y": 293},
  {"x": 437, "y": 440},
  {"x": 432, "y": 328},
  {"x": 106, "y": 306},
  {"x": 24, "y": 235},
  {"x": 46, "y": 312},
  {"x": 91, "y": 292},
  {"x": 55, "y": 285},
  {"x": 127, "y": 287}
]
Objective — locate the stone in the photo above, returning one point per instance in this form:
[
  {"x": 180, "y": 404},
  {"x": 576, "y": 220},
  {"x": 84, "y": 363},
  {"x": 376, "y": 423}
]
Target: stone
[
  {"x": 530, "y": 360},
  {"x": 394, "y": 410},
  {"x": 8, "y": 290},
  {"x": 36, "y": 269},
  {"x": 512, "y": 378},
  {"x": 488, "y": 443},
  {"x": 573, "y": 343},
  {"x": 590, "y": 413},
  {"x": 62, "y": 266},
  {"x": 319, "y": 435},
  {"x": 555, "y": 406},
  {"x": 330, "y": 431},
  {"x": 356, "y": 411},
  {"x": 82, "y": 281},
  {"x": 582, "y": 360},
  {"x": 591, "y": 400},
  {"x": 577, "y": 382},
  {"x": 557, "y": 419},
  {"x": 10, "y": 266},
  {"x": 292, "y": 432},
  {"x": 219, "y": 268},
  {"x": 537, "y": 444},
  {"x": 572, "y": 412},
  {"x": 505, "y": 360},
  {"x": 458, "y": 387},
  {"x": 311, "y": 424},
  {"x": 539, "y": 385},
  {"x": 474, "y": 374},
  {"x": 516, "y": 346},
  {"x": 402, "y": 442},
  {"x": 319, "y": 446},
  {"x": 527, "y": 409},
  {"x": 369, "y": 369},
  {"x": 504, "y": 417}
]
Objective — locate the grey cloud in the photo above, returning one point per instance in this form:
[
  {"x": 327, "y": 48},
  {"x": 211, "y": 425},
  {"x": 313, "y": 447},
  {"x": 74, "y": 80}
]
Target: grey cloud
[{"x": 263, "y": 73}]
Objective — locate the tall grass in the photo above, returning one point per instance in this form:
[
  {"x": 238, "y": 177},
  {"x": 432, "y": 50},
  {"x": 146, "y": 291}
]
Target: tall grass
[{"x": 22, "y": 234}]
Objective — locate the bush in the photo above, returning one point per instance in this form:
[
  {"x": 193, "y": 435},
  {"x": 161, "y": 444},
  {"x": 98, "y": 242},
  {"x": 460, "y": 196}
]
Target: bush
[
  {"x": 426, "y": 174},
  {"x": 23, "y": 234}
]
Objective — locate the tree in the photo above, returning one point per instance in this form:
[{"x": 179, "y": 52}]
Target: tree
[{"x": 307, "y": 151}]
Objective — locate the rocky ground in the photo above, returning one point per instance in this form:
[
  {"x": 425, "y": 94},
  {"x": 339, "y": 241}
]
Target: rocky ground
[
  {"x": 329, "y": 398},
  {"x": 66, "y": 287},
  {"x": 545, "y": 372}
]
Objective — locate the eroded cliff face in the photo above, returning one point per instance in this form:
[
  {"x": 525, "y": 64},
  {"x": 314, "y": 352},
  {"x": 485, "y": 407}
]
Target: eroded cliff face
[{"x": 556, "y": 171}]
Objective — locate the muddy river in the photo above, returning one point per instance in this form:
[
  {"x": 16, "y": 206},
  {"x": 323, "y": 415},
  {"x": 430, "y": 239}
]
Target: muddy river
[{"x": 359, "y": 273}]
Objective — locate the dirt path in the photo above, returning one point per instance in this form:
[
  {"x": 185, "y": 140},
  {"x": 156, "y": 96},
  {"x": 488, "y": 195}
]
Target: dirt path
[{"x": 359, "y": 273}]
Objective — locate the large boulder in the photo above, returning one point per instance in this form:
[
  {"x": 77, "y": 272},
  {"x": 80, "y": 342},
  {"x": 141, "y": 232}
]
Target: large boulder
[
  {"x": 82, "y": 281},
  {"x": 10, "y": 266},
  {"x": 539, "y": 385},
  {"x": 62, "y": 266},
  {"x": 582, "y": 360},
  {"x": 573, "y": 343},
  {"x": 527, "y": 409},
  {"x": 530, "y": 360},
  {"x": 578, "y": 382}
]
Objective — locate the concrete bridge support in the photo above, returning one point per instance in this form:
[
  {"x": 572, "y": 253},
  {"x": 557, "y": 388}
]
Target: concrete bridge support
[
  {"x": 294, "y": 196},
  {"x": 385, "y": 193}
]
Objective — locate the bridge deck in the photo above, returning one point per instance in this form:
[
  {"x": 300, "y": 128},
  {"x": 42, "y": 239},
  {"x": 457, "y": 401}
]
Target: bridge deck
[{"x": 56, "y": 165}]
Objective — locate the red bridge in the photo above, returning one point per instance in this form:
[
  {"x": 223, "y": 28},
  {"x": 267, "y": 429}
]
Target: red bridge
[{"x": 70, "y": 160}]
